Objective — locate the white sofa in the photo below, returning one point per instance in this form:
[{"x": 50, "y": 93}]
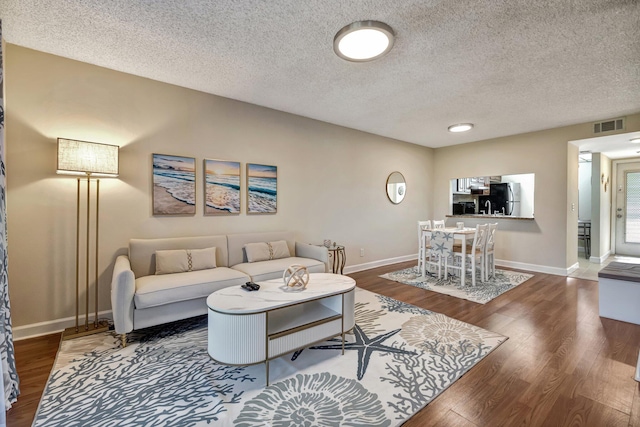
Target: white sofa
[{"x": 140, "y": 298}]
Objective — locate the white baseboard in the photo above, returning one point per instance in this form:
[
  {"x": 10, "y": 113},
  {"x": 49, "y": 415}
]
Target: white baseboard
[
  {"x": 499, "y": 262},
  {"x": 536, "y": 268},
  {"x": 381, "y": 263},
  {"x": 573, "y": 268},
  {"x": 601, "y": 259},
  {"x": 53, "y": 326}
]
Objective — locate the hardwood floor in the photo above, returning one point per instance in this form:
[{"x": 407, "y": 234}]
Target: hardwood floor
[
  {"x": 561, "y": 366},
  {"x": 34, "y": 360}
]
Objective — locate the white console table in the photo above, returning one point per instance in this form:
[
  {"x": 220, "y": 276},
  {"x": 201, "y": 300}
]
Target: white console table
[{"x": 254, "y": 327}]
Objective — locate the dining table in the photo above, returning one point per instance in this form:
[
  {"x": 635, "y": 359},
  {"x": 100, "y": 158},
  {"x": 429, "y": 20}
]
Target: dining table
[{"x": 462, "y": 234}]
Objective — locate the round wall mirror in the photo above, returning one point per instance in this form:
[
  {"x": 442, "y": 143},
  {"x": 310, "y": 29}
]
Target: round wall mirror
[{"x": 396, "y": 187}]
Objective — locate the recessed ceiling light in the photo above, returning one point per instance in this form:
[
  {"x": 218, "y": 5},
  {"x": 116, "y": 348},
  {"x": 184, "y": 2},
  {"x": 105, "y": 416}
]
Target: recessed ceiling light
[
  {"x": 635, "y": 140},
  {"x": 460, "y": 127},
  {"x": 363, "y": 41}
]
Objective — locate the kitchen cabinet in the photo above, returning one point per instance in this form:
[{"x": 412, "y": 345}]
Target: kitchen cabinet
[
  {"x": 463, "y": 186},
  {"x": 473, "y": 185},
  {"x": 479, "y": 185}
]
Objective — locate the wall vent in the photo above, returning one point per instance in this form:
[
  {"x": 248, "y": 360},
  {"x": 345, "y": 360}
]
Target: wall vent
[{"x": 609, "y": 125}]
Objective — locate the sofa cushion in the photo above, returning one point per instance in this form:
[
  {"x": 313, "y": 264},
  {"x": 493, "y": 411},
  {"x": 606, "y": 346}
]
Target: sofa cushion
[
  {"x": 142, "y": 252},
  {"x": 266, "y": 270},
  {"x": 236, "y": 242},
  {"x": 153, "y": 291},
  {"x": 265, "y": 251},
  {"x": 181, "y": 260}
]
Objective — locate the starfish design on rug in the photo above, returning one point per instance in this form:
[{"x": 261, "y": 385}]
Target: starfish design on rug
[{"x": 365, "y": 347}]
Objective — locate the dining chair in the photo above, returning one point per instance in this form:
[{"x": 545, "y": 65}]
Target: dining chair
[
  {"x": 442, "y": 251},
  {"x": 422, "y": 242},
  {"x": 438, "y": 223},
  {"x": 584, "y": 234},
  {"x": 475, "y": 252},
  {"x": 489, "y": 254}
]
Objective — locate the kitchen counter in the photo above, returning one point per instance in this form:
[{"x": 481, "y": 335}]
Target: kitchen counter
[{"x": 480, "y": 216}]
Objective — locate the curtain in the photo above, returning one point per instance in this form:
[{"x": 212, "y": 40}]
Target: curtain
[{"x": 8, "y": 368}]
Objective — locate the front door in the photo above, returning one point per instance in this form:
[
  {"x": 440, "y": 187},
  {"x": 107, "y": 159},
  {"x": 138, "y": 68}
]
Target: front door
[{"x": 627, "y": 215}]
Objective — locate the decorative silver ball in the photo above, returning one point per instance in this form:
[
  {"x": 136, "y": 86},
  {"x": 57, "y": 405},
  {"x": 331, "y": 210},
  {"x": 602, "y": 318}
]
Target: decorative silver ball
[{"x": 296, "y": 276}]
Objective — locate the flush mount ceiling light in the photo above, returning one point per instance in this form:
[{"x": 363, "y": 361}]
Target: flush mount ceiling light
[
  {"x": 363, "y": 41},
  {"x": 635, "y": 140},
  {"x": 460, "y": 127}
]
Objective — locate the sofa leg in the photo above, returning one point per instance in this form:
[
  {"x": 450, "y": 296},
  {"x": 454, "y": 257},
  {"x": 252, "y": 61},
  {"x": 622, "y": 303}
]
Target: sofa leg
[{"x": 123, "y": 337}]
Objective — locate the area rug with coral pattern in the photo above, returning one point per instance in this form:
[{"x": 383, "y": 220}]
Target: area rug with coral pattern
[
  {"x": 397, "y": 359},
  {"x": 503, "y": 281}
]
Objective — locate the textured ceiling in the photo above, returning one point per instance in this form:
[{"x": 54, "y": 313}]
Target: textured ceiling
[{"x": 509, "y": 66}]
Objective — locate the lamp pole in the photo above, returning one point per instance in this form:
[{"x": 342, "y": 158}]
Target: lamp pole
[
  {"x": 86, "y": 284},
  {"x": 87, "y": 159},
  {"x": 77, "y": 256},
  {"x": 95, "y": 319}
]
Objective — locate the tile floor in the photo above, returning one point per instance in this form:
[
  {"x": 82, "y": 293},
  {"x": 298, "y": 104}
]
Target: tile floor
[{"x": 589, "y": 270}]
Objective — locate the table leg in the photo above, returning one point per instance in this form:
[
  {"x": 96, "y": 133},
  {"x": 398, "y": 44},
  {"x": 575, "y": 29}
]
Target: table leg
[
  {"x": 463, "y": 270},
  {"x": 338, "y": 259},
  {"x": 423, "y": 255},
  {"x": 266, "y": 346},
  {"x": 334, "y": 264},
  {"x": 342, "y": 324},
  {"x": 343, "y": 259}
]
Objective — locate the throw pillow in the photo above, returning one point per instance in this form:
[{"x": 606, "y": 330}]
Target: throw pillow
[
  {"x": 265, "y": 251},
  {"x": 182, "y": 260}
]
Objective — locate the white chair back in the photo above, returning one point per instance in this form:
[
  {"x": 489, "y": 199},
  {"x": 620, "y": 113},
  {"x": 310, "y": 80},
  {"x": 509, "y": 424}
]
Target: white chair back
[
  {"x": 438, "y": 224},
  {"x": 422, "y": 242},
  {"x": 423, "y": 225},
  {"x": 480, "y": 239},
  {"x": 478, "y": 252},
  {"x": 489, "y": 253},
  {"x": 491, "y": 236}
]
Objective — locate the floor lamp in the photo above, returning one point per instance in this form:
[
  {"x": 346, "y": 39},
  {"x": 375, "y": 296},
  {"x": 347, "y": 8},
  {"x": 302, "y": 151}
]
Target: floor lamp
[{"x": 88, "y": 160}]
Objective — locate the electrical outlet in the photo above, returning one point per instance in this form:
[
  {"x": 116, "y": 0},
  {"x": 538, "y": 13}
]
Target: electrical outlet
[{"x": 361, "y": 251}]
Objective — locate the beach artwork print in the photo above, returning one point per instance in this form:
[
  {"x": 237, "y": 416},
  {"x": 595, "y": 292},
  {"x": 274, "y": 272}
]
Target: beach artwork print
[
  {"x": 262, "y": 186},
  {"x": 221, "y": 187},
  {"x": 174, "y": 185}
]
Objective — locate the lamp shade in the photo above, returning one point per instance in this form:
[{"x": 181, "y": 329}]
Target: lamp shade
[{"x": 82, "y": 158}]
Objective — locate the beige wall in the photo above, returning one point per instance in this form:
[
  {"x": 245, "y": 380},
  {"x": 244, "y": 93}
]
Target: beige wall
[
  {"x": 572, "y": 207},
  {"x": 548, "y": 243},
  {"x": 601, "y": 206},
  {"x": 331, "y": 180}
]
